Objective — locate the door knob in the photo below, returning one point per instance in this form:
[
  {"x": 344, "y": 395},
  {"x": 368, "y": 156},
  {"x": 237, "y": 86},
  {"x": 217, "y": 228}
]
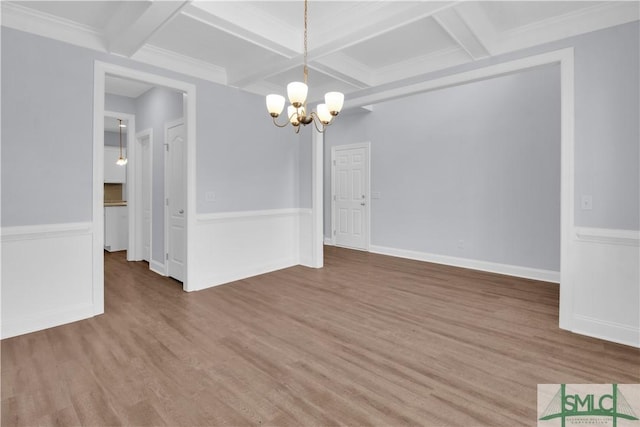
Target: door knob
[
  {"x": 181, "y": 211},
  {"x": 362, "y": 204}
]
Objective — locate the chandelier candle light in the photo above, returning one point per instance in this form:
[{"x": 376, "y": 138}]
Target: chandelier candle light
[
  {"x": 297, "y": 93},
  {"x": 121, "y": 160}
]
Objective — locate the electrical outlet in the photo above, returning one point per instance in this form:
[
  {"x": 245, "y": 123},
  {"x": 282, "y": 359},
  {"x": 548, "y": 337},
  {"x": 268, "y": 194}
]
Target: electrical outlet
[
  {"x": 210, "y": 196},
  {"x": 375, "y": 194},
  {"x": 460, "y": 244},
  {"x": 586, "y": 203}
]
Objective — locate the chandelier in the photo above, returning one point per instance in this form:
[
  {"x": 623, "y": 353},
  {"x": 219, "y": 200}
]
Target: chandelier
[{"x": 297, "y": 93}]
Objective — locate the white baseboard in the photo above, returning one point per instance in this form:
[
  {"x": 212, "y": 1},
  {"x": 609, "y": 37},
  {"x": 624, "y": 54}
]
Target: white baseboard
[
  {"x": 328, "y": 241},
  {"x": 609, "y": 331},
  {"x": 157, "y": 267},
  {"x": 39, "y": 321},
  {"x": 245, "y": 273},
  {"x": 509, "y": 270}
]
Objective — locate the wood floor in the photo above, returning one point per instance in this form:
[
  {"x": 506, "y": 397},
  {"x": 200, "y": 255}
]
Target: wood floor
[{"x": 368, "y": 340}]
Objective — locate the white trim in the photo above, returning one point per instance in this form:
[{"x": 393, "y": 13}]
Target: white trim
[
  {"x": 24, "y": 287},
  {"x": 186, "y": 65},
  {"x": 100, "y": 70},
  {"x": 317, "y": 199},
  {"x": 492, "y": 267},
  {"x": 491, "y": 71},
  {"x": 225, "y": 216},
  {"x": 608, "y": 236},
  {"x": 43, "y": 231},
  {"x": 609, "y": 331},
  {"x": 165, "y": 255},
  {"x": 367, "y": 148},
  {"x": 567, "y": 179},
  {"x": 30, "y": 20},
  {"x": 157, "y": 267},
  {"x": 329, "y": 242},
  {"x": 137, "y": 213},
  {"x": 45, "y": 320},
  {"x": 249, "y": 243}
]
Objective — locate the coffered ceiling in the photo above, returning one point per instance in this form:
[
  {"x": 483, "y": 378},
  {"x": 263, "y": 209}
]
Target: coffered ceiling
[{"x": 353, "y": 45}]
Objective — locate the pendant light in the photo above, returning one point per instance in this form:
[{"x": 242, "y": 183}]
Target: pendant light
[{"x": 121, "y": 160}]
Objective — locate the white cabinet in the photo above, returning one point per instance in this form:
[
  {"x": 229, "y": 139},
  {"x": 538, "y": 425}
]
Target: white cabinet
[
  {"x": 112, "y": 172},
  {"x": 116, "y": 228}
]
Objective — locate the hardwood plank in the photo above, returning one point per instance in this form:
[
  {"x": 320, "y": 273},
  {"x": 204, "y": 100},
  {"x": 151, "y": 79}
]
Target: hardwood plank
[{"x": 367, "y": 340}]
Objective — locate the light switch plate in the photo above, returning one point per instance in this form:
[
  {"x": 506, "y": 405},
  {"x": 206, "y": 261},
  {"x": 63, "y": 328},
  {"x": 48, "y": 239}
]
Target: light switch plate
[{"x": 375, "y": 195}]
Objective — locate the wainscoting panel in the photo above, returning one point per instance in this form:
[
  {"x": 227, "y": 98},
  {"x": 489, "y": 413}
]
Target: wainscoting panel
[
  {"x": 47, "y": 277},
  {"x": 606, "y": 287},
  {"x": 236, "y": 245}
]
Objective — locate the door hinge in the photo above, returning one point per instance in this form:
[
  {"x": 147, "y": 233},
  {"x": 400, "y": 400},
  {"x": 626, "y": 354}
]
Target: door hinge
[
  {"x": 334, "y": 163},
  {"x": 334, "y": 197},
  {"x": 334, "y": 232},
  {"x": 166, "y": 146},
  {"x": 167, "y": 201},
  {"x": 166, "y": 256}
]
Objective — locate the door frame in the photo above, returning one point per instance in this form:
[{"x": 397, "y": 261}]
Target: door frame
[
  {"x": 168, "y": 125},
  {"x": 135, "y": 237},
  {"x": 367, "y": 229},
  {"x": 100, "y": 70}
]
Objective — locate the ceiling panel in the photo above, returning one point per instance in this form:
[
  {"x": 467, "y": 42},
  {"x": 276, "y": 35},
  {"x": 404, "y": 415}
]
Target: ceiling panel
[
  {"x": 414, "y": 40},
  {"x": 507, "y": 15},
  {"x": 194, "y": 38},
  {"x": 95, "y": 14}
]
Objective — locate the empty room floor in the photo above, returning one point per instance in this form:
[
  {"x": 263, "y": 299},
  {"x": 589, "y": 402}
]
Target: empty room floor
[{"x": 367, "y": 340}]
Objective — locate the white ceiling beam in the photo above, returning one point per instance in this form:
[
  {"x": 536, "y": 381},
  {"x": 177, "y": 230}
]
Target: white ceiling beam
[
  {"x": 459, "y": 30},
  {"x": 140, "y": 23},
  {"x": 264, "y": 72},
  {"x": 420, "y": 11}
]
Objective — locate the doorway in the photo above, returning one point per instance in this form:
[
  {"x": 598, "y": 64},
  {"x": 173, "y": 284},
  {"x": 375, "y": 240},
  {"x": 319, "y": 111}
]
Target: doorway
[
  {"x": 350, "y": 195},
  {"x": 139, "y": 167}
]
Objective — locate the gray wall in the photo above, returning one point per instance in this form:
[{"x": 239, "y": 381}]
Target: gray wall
[
  {"x": 47, "y": 131},
  {"x": 606, "y": 136},
  {"x": 119, "y": 104},
  {"x": 242, "y": 157},
  {"x": 47, "y": 83},
  {"x": 154, "y": 109},
  {"x": 477, "y": 164}
]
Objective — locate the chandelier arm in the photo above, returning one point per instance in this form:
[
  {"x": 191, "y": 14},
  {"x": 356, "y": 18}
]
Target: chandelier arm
[
  {"x": 315, "y": 119},
  {"x": 279, "y": 125}
]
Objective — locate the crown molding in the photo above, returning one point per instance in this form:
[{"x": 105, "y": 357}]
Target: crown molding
[
  {"x": 581, "y": 21},
  {"x": 438, "y": 60},
  {"x": 43, "y": 24},
  {"x": 183, "y": 64}
]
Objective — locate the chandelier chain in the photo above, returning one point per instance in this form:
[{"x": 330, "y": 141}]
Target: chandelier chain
[{"x": 306, "y": 70}]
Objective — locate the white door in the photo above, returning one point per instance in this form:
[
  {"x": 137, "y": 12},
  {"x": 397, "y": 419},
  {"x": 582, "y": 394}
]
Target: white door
[
  {"x": 351, "y": 196},
  {"x": 176, "y": 200},
  {"x": 145, "y": 185}
]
